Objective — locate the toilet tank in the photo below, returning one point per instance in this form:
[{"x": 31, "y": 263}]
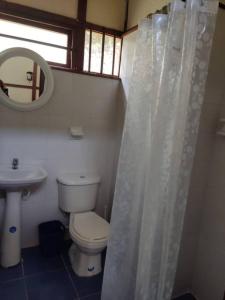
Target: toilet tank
[{"x": 77, "y": 192}]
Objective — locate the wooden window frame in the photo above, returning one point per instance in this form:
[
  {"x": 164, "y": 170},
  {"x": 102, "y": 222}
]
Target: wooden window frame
[
  {"x": 42, "y": 26},
  {"x": 104, "y": 34},
  {"x": 75, "y": 28}
]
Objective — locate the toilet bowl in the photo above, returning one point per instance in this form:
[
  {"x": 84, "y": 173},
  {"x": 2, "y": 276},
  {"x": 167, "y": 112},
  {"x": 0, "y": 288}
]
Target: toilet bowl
[{"x": 88, "y": 231}]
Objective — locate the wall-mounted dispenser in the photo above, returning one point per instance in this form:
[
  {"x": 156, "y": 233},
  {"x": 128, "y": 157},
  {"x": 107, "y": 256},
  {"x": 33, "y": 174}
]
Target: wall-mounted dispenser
[{"x": 76, "y": 132}]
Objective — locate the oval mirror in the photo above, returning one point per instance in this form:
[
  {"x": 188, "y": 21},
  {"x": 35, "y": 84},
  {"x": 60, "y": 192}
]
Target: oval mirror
[{"x": 26, "y": 80}]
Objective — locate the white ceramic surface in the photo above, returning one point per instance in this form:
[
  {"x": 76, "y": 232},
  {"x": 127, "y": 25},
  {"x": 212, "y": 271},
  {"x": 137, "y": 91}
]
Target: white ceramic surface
[
  {"x": 21, "y": 178},
  {"x": 42, "y": 138},
  {"x": 14, "y": 182}
]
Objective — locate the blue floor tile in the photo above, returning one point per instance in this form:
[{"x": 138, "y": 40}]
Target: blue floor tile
[
  {"x": 185, "y": 297},
  {"x": 34, "y": 262},
  {"x": 11, "y": 273},
  {"x": 87, "y": 285},
  {"x": 65, "y": 252},
  {"x": 13, "y": 290},
  {"x": 92, "y": 297},
  {"x": 50, "y": 285}
]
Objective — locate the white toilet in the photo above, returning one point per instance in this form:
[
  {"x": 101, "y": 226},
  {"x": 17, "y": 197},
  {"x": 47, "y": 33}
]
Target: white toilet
[{"x": 89, "y": 232}]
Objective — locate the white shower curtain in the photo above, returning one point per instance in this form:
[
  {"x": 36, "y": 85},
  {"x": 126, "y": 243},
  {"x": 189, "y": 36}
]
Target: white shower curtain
[{"x": 161, "y": 126}]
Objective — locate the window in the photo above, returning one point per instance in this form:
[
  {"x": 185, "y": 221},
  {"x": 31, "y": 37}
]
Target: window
[
  {"x": 102, "y": 53},
  {"x": 96, "y": 49},
  {"x": 52, "y": 45},
  {"x": 60, "y": 41}
]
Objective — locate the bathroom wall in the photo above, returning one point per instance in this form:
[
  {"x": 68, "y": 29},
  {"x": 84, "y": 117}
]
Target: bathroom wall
[
  {"x": 201, "y": 260},
  {"x": 139, "y": 9},
  {"x": 209, "y": 268},
  {"x": 42, "y": 137},
  {"x": 106, "y": 13},
  {"x": 67, "y": 8}
]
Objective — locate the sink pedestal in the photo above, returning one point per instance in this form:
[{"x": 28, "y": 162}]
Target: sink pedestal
[
  {"x": 11, "y": 237},
  {"x": 13, "y": 182}
]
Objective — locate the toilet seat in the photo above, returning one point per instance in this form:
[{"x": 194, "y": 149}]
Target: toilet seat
[{"x": 89, "y": 229}]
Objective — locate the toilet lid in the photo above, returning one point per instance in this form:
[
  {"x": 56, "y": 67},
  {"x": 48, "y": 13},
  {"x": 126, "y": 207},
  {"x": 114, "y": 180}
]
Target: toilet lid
[{"x": 90, "y": 226}]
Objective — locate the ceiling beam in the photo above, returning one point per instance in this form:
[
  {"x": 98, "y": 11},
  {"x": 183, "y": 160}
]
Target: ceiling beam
[
  {"x": 25, "y": 12},
  {"x": 82, "y": 10},
  {"x": 126, "y": 15}
]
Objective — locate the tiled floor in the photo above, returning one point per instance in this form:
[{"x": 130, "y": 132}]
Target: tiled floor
[
  {"x": 39, "y": 278},
  {"x": 185, "y": 297}
]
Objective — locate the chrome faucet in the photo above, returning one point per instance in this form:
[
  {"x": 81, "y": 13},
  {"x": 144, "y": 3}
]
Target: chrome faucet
[{"x": 15, "y": 163}]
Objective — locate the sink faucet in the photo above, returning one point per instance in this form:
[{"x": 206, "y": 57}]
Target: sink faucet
[{"x": 15, "y": 163}]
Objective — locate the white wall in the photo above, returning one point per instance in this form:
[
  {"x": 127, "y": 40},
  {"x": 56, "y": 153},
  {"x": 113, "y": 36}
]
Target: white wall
[
  {"x": 106, "y": 13},
  {"x": 42, "y": 137},
  {"x": 139, "y": 9},
  {"x": 209, "y": 268},
  {"x": 66, "y": 7}
]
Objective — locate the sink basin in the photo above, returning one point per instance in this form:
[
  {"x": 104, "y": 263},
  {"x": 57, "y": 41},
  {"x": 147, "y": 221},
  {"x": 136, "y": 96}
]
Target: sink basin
[
  {"x": 14, "y": 182},
  {"x": 21, "y": 178}
]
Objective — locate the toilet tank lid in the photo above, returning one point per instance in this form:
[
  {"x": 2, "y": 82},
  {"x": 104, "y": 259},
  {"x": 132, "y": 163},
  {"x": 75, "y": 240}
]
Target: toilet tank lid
[{"x": 70, "y": 178}]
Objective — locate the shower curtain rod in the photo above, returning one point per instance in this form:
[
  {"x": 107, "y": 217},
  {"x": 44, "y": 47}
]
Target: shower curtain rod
[{"x": 165, "y": 9}]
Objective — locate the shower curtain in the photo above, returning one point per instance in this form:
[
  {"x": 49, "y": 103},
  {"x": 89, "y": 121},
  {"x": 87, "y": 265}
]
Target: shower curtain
[{"x": 161, "y": 125}]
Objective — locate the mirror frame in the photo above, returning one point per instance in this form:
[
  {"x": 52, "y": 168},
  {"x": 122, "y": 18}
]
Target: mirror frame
[{"x": 49, "y": 81}]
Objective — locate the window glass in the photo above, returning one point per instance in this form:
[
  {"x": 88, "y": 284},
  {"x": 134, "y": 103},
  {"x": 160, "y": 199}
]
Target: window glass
[
  {"x": 33, "y": 33},
  {"x": 107, "y": 62},
  {"x": 20, "y": 31},
  {"x": 86, "y": 50},
  {"x": 117, "y": 57},
  {"x": 96, "y": 52},
  {"x": 49, "y": 53},
  {"x": 108, "y": 55},
  {"x": 15, "y": 34}
]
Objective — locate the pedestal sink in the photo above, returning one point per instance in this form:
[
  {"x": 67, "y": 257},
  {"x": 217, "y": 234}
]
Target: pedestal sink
[{"x": 14, "y": 182}]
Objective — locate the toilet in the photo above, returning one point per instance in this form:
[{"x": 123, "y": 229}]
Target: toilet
[{"x": 89, "y": 232}]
